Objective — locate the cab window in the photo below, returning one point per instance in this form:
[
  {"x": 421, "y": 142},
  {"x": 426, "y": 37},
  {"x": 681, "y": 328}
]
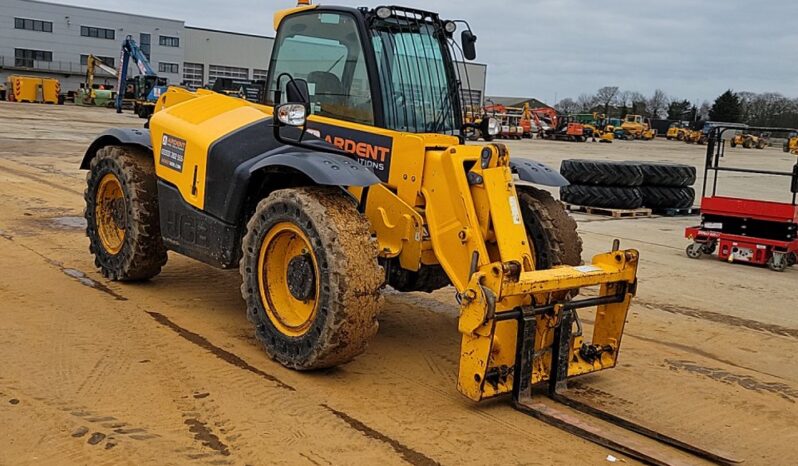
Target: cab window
[{"x": 325, "y": 50}]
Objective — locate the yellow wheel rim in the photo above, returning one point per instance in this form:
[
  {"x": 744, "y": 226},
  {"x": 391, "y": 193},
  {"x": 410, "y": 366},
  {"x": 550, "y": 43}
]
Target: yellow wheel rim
[
  {"x": 110, "y": 213},
  {"x": 288, "y": 279}
]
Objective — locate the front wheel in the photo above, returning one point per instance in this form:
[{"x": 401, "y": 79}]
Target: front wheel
[
  {"x": 551, "y": 231},
  {"x": 694, "y": 251},
  {"x": 311, "y": 279},
  {"x": 122, "y": 217}
]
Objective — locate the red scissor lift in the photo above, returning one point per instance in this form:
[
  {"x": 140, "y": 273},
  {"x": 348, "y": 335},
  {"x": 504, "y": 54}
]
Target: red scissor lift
[{"x": 744, "y": 230}]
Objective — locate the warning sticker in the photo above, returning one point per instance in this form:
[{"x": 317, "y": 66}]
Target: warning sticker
[{"x": 173, "y": 151}]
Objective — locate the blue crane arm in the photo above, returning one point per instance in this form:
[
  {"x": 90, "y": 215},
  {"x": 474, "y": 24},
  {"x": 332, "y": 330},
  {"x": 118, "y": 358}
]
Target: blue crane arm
[{"x": 130, "y": 50}]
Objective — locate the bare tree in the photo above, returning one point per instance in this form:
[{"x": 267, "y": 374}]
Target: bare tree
[
  {"x": 606, "y": 96},
  {"x": 567, "y": 105},
  {"x": 586, "y": 102},
  {"x": 637, "y": 102},
  {"x": 658, "y": 104}
]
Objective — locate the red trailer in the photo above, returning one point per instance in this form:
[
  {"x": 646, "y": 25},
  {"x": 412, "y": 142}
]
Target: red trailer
[{"x": 744, "y": 230}]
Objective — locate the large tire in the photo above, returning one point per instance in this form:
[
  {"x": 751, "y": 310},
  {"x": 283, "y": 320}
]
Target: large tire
[
  {"x": 552, "y": 232},
  {"x": 611, "y": 197},
  {"x": 661, "y": 197},
  {"x": 667, "y": 174},
  {"x": 601, "y": 172},
  {"x": 311, "y": 279},
  {"x": 122, "y": 218}
]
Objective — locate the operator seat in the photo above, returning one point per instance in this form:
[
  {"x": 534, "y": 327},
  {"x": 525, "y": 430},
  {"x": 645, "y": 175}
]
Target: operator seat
[{"x": 328, "y": 89}]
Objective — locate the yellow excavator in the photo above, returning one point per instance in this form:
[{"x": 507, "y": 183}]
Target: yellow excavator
[
  {"x": 355, "y": 174},
  {"x": 88, "y": 95}
]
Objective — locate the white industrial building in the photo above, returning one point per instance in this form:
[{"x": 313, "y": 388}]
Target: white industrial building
[{"x": 43, "y": 38}]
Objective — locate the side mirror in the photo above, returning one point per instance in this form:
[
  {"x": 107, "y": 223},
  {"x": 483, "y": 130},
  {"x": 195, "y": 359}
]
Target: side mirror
[
  {"x": 468, "y": 40},
  {"x": 296, "y": 91},
  {"x": 291, "y": 114}
]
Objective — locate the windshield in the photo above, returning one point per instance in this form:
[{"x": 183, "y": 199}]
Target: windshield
[{"x": 418, "y": 89}]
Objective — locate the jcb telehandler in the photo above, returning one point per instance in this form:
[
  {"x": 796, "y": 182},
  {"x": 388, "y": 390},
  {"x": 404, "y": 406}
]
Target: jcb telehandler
[{"x": 351, "y": 175}]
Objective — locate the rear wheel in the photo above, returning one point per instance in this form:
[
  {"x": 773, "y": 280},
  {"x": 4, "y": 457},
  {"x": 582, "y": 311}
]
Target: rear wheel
[
  {"x": 122, "y": 218},
  {"x": 311, "y": 278}
]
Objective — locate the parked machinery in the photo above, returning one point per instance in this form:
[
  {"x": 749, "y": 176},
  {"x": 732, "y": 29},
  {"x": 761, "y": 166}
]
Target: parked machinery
[
  {"x": 87, "y": 94},
  {"x": 638, "y": 127},
  {"x": 143, "y": 90},
  {"x": 677, "y": 131},
  {"x": 750, "y": 140},
  {"x": 554, "y": 125},
  {"x": 791, "y": 143},
  {"x": 32, "y": 89},
  {"x": 740, "y": 229}
]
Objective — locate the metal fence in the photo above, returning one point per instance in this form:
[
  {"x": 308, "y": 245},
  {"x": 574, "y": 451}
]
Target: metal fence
[{"x": 56, "y": 67}]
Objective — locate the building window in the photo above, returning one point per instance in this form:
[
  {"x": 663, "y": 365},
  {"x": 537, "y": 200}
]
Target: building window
[
  {"x": 33, "y": 25},
  {"x": 219, "y": 71},
  {"x": 260, "y": 75},
  {"x": 167, "y": 41},
  {"x": 109, "y": 61},
  {"x": 144, "y": 44},
  {"x": 167, "y": 67},
  {"x": 26, "y": 57},
  {"x": 193, "y": 74},
  {"x": 99, "y": 33}
]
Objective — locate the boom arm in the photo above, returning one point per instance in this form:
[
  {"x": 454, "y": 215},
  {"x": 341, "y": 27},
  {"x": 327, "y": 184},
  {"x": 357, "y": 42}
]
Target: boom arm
[{"x": 130, "y": 50}]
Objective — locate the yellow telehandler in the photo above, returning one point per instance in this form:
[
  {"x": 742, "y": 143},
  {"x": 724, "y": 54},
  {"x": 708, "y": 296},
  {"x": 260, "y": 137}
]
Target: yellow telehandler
[{"x": 353, "y": 174}]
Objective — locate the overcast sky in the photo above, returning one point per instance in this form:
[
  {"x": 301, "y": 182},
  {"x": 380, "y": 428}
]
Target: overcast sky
[{"x": 691, "y": 49}]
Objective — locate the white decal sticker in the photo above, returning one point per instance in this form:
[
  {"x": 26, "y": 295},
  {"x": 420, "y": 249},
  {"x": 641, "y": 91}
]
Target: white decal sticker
[{"x": 515, "y": 210}]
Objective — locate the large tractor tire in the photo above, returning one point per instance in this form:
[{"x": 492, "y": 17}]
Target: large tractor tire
[
  {"x": 601, "y": 172},
  {"x": 552, "y": 232},
  {"x": 761, "y": 144},
  {"x": 122, "y": 218},
  {"x": 663, "y": 197},
  {"x": 667, "y": 174},
  {"x": 611, "y": 197},
  {"x": 748, "y": 143},
  {"x": 311, "y": 279}
]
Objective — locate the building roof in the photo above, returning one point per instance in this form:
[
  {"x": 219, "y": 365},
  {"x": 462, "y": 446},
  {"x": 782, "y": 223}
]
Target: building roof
[{"x": 516, "y": 101}]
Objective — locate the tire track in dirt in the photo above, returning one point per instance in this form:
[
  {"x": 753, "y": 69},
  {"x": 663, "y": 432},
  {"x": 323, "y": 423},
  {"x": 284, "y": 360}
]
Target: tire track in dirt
[
  {"x": 727, "y": 319},
  {"x": 745, "y": 381},
  {"x": 29, "y": 176},
  {"x": 410, "y": 455},
  {"x": 220, "y": 353}
]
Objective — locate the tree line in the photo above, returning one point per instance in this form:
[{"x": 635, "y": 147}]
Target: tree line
[{"x": 764, "y": 109}]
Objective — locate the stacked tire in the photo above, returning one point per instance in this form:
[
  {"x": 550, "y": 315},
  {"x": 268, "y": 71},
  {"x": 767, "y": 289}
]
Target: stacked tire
[{"x": 628, "y": 184}]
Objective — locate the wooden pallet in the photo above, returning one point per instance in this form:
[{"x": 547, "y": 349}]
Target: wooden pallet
[{"x": 614, "y": 213}]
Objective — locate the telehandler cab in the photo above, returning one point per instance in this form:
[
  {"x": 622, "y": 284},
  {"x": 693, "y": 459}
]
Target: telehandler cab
[{"x": 351, "y": 175}]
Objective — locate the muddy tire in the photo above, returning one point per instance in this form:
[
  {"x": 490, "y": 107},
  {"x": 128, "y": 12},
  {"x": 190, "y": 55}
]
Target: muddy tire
[
  {"x": 662, "y": 197},
  {"x": 311, "y": 279},
  {"x": 611, "y": 197},
  {"x": 122, "y": 218},
  {"x": 601, "y": 172},
  {"x": 552, "y": 232},
  {"x": 667, "y": 174}
]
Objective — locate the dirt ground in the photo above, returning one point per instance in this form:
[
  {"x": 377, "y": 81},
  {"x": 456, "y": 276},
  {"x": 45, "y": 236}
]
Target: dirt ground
[{"x": 168, "y": 372}]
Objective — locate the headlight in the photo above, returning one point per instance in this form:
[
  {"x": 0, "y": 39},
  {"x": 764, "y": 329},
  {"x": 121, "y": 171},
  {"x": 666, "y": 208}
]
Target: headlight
[
  {"x": 383, "y": 12},
  {"x": 449, "y": 26},
  {"x": 493, "y": 126},
  {"x": 291, "y": 114}
]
